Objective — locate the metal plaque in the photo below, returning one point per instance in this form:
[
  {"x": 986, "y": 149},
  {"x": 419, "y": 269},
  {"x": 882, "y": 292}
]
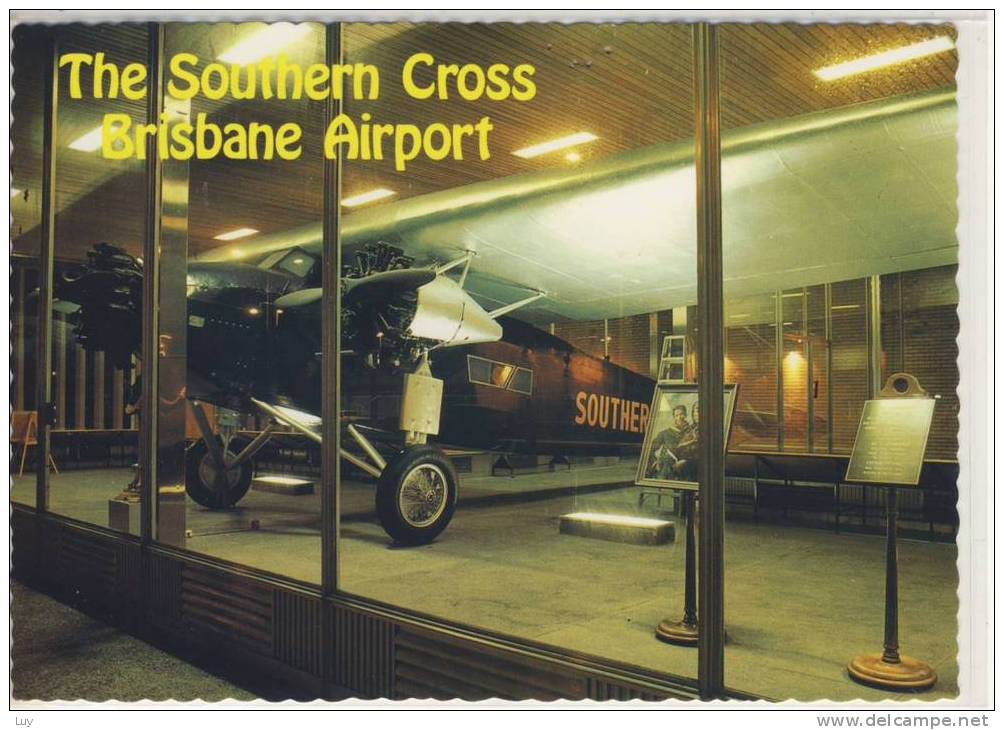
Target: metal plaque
[{"x": 891, "y": 440}]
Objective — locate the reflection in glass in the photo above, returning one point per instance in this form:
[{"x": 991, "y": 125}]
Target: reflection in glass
[
  {"x": 98, "y": 235},
  {"x": 837, "y": 191},
  {"x": 239, "y": 319},
  {"x": 545, "y": 399}
]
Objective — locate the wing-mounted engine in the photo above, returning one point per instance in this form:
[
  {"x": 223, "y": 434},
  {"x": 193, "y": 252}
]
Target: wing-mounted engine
[{"x": 105, "y": 297}]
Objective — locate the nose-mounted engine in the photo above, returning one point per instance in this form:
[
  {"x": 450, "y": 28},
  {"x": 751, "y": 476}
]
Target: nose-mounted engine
[{"x": 393, "y": 313}]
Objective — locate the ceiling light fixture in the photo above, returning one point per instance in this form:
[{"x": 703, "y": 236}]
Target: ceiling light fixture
[
  {"x": 235, "y": 234},
  {"x": 555, "y": 144},
  {"x": 90, "y": 142},
  {"x": 885, "y": 58},
  {"x": 264, "y": 42},
  {"x": 363, "y": 198}
]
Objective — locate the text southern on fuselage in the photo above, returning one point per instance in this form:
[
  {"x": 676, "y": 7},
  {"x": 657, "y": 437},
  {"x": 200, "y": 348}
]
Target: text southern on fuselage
[{"x": 609, "y": 412}]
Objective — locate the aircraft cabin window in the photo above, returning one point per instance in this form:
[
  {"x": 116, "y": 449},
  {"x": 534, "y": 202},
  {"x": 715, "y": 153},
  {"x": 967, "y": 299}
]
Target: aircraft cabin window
[
  {"x": 479, "y": 371},
  {"x": 501, "y": 374},
  {"x": 498, "y": 375},
  {"x": 522, "y": 381}
]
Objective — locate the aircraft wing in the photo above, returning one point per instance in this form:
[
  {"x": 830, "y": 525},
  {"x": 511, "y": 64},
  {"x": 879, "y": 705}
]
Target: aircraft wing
[{"x": 829, "y": 196}]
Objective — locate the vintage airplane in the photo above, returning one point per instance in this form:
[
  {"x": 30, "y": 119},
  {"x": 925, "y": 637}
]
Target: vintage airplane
[
  {"x": 608, "y": 239},
  {"x": 253, "y": 342}
]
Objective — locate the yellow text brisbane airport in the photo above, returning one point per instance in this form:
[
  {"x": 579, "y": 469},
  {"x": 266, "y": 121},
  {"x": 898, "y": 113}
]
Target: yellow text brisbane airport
[
  {"x": 204, "y": 140},
  {"x": 275, "y": 77}
]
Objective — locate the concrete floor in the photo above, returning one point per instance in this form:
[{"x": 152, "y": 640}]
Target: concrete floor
[{"x": 800, "y": 603}]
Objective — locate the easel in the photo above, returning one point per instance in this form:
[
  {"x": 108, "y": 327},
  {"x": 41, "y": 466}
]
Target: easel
[{"x": 890, "y": 669}]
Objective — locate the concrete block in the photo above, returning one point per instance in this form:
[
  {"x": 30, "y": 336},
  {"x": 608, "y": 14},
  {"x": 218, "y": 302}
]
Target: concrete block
[
  {"x": 123, "y": 515},
  {"x": 281, "y": 484},
  {"x": 618, "y": 528}
]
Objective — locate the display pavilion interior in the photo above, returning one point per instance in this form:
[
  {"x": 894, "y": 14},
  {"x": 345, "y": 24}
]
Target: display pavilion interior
[{"x": 530, "y": 541}]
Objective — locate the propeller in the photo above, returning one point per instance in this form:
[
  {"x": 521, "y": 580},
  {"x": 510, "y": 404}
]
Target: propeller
[
  {"x": 382, "y": 286},
  {"x": 367, "y": 289}
]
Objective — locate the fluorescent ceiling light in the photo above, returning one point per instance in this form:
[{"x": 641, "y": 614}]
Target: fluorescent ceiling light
[
  {"x": 555, "y": 144},
  {"x": 264, "y": 42},
  {"x": 235, "y": 234},
  {"x": 90, "y": 142},
  {"x": 885, "y": 58},
  {"x": 363, "y": 198}
]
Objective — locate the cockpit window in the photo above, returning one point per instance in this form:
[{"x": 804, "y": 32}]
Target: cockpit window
[{"x": 296, "y": 262}]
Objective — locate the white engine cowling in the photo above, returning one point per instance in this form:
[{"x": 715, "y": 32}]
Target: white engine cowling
[{"x": 448, "y": 314}]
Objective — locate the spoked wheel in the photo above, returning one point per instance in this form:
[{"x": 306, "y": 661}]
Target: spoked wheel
[
  {"x": 416, "y": 495},
  {"x": 205, "y": 483}
]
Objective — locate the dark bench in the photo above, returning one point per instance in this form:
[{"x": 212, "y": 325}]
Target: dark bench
[
  {"x": 90, "y": 447},
  {"x": 815, "y": 481}
]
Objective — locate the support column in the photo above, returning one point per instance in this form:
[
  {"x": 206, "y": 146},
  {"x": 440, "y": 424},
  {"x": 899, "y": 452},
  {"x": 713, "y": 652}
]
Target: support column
[
  {"x": 654, "y": 345},
  {"x": 172, "y": 338},
  {"x": 99, "y": 389},
  {"x": 828, "y": 295},
  {"x": 711, "y": 601},
  {"x": 779, "y": 365},
  {"x": 874, "y": 336},
  {"x": 149, "y": 369},
  {"x": 20, "y": 294},
  {"x": 43, "y": 332},
  {"x": 331, "y": 332},
  {"x": 61, "y": 372},
  {"x": 331, "y": 374}
]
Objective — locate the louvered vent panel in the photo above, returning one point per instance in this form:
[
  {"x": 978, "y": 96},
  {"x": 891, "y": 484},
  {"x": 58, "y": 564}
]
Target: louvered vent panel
[
  {"x": 364, "y": 653},
  {"x": 297, "y": 638},
  {"x": 228, "y": 604},
  {"x": 89, "y": 565},
  {"x": 164, "y": 591},
  {"x": 602, "y": 690},
  {"x": 433, "y": 668}
]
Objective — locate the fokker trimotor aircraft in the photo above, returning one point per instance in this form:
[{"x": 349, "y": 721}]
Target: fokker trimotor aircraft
[{"x": 445, "y": 302}]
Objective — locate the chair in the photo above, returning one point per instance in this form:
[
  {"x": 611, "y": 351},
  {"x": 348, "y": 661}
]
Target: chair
[{"x": 24, "y": 432}]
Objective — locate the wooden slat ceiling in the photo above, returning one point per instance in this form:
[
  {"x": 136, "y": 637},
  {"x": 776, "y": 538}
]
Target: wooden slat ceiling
[{"x": 630, "y": 84}]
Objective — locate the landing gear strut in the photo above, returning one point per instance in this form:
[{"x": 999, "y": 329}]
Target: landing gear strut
[
  {"x": 416, "y": 489},
  {"x": 215, "y": 477}
]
